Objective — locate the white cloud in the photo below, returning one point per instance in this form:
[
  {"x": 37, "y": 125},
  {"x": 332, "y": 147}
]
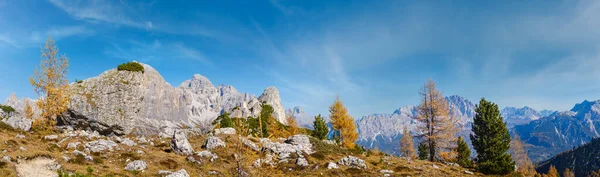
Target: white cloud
[
  {"x": 155, "y": 50},
  {"x": 25, "y": 38},
  {"x": 102, "y": 11}
]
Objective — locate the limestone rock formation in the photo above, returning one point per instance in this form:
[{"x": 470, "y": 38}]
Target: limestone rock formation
[
  {"x": 180, "y": 144},
  {"x": 353, "y": 162}
]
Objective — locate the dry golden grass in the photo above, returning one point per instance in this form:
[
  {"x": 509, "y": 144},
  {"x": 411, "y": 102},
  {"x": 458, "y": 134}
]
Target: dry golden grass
[{"x": 159, "y": 157}]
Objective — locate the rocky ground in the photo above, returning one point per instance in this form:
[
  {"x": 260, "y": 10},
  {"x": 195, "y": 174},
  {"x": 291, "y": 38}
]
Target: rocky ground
[{"x": 76, "y": 152}]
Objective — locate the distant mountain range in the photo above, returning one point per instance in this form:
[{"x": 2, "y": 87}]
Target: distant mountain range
[{"x": 561, "y": 131}]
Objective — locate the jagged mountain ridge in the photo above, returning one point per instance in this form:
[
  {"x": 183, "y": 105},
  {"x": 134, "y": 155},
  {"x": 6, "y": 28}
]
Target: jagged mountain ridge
[
  {"x": 124, "y": 102},
  {"x": 385, "y": 130},
  {"x": 561, "y": 131}
]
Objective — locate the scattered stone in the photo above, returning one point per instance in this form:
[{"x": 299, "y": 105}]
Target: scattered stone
[
  {"x": 250, "y": 144},
  {"x": 330, "y": 142},
  {"x": 213, "y": 142},
  {"x": 225, "y": 131},
  {"x": 208, "y": 154},
  {"x": 142, "y": 140},
  {"x": 51, "y": 137},
  {"x": 164, "y": 172},
  {"x": 100, "y": 145},
  {"x": 20, "y": 136},
  {"x": 180, "y": 143},
  {"x": 257, "y": 163},
  {"x": 191, "y": 159},
  {"x": 212, "y": 172},
  {"x": 332, "y": 165},
  {"x": 386, "y": 171},
  {"x": 87, "y": 157},
  {"x": 302, "y": 142},
  {"x": 468, "y": 172},
  {"x": 6, "y": 158},
  {"x": 128, "y": 142},
  {"x": 66, "y": 158},
  {"x": 22, "y": 148},
  {"x": 137, "y": 165},
  {"x": 53, "y": 166},
  {"x": 180, "y": 173},
  {"x": 139, "y": 151},
  {"x": 353, "y": 162},
  {"x": 302, "y": 162},
  {"x": 73, "y": 145},
  {"x": 436, "y": 167}
]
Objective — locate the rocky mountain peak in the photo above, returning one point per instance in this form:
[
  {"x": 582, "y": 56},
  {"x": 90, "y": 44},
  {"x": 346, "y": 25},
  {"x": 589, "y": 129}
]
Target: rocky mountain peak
[{"x": 271, "y": 97}]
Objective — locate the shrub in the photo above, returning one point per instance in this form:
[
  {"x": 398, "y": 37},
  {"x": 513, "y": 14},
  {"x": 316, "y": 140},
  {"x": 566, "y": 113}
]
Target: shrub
[
  {"x": 131, "y": 66},
  {"x": 7, "y": 109}
]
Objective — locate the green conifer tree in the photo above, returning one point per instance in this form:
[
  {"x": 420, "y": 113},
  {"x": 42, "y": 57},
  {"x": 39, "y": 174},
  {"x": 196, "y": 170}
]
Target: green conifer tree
[
  {"x": 423, "y": 151},
  {"x": 463, "y": 153},
  {"x": 491, "y": 140},
  {"x": 320, "y": 126}
]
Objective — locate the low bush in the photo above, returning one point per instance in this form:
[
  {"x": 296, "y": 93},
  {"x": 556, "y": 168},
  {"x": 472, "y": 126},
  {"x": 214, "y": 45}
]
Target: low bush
[
  {"x": 131, "y": 66},
  {"x": 7, "y": 109}
]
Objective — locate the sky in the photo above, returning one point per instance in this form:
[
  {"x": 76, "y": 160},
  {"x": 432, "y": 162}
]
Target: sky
[{"x": 375, "y": 55}]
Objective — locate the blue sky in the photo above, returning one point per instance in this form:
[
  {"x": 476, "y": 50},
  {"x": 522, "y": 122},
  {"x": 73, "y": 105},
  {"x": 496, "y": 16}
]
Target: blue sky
[{"x": 373, "y": 54}]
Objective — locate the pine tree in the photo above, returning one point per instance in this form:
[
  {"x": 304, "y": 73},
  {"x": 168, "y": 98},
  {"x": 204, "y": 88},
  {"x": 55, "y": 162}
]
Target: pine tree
[
  {"x": 552, "y": 172},
  {"x": 28, "y": 111},
  {"x": 519, "y": 155},
  {"x": 423, "y": 151},
  {"x": 320, "y": 126},
  {"x": 464, "y": 153},
  {"x": 568, "y": 173},
  {"x": 491, "y": 140},
  {"x": 292, "y": 126},
  {"x": 265, "y": 120},
  {"x": 438, "y": 127},
  {"x": 344, "y": 123},
  {"x": 407, "y": 147},
  {"x": 50, "y": 82}
]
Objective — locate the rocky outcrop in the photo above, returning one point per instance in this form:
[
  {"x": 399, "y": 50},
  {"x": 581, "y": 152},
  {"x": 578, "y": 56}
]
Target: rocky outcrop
[
  {"x": 353, "y": 162},
  {"x": 213, "y": 142},
  {"x": 123, "y": 102},
  {"x": 100, "y": 145},
  {"x": 180, "y": 144},
  {"x": 137, "y": 165},
  {"x": 19, "y": 122},
  {"x": 302, "y": 142}
]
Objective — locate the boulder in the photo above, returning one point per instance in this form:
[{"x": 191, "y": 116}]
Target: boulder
[
  {"x": 302, "y": 162},
  {"x": 128, "y": 142},
  {"x": 137, "y": 165},
  {"x": 180, "y": 173},
  {"x": 225, "y": 131},
  {"x": 180, "y": 143},
  {"x": 51, "y": 137},
  {"x": 353, "y": 162},
  {"x": 250, "y": 144},
  {"x": 213, "y": 142},
  {"x": 6, "y": 158},
  {"x": 332, "y": 165},
  {"x": 20, "y": 136},
  {"x": 73, "y": 145},
  {"x": 100, "y": 145},
  {"x": 18, "y": 122},
  {"x": 302, "y": 142}
]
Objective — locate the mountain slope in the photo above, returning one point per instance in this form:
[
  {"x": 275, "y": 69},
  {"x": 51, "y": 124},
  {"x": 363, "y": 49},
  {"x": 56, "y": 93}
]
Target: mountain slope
[
  {"x": 561, "y": 131},
  {"x": 581, "y": 160}
]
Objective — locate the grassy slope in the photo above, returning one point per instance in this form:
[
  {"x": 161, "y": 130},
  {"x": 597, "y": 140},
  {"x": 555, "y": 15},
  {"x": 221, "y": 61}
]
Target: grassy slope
[{"x": 159, "y": 157}]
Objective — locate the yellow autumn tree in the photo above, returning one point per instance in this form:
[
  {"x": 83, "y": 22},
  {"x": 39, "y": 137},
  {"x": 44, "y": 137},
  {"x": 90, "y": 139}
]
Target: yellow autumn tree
[
  {"x": 437, "y": 126},
  {"x": 28, "y": 111},
  {"x": 407, "y": 147},
  {"x": 292, "y": 126},
  {"x": 568, "y": 173},
  {"x": 50, "y": 82},
  {"x": 552, "y": 172},
  {"x": 519, "y": 155},
  {"x": 343, "y": 123}
]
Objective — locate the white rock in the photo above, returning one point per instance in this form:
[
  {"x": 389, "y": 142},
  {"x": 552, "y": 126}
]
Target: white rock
[
  {"x": 302, "y": 142},
  {"x": 436, "y": 167},
  {"x": 250, "y": 144},
  {"x": 73, "y": 145},
  {"x": 180, "y": 143},
  {"x": 468, "y": 172},
  {"x": 20, "y": 136},
  {"x": 19, "y": 122},
  {"x": 87, "y": 157},
  {"x": 180, "y": 173},
  {"x": 128, "y": 142},
  {"x": 6, "y": 158},
  {"x": 100, "y": 145},
  {"x": 332, "y": 165},
  {"x": 302, "y": 162},
  {"x": 353, "y": 162},
  {"x": 386, "y": 171},
  {"x": 137, "y": 165},
  {"x": 22, "y": 148},
  {"x": 225, "y": 131},
  {"x": 213, "y": 142}
]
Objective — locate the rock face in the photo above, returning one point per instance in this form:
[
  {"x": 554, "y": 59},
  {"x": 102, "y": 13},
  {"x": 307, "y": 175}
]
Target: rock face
[
  {"x": 19, "y": 122},
  {"x": 180, "y": 144},
  {"x": 125, "y": 101}
]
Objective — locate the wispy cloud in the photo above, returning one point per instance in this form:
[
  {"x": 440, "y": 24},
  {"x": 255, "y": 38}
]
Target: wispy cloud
[
  {"x": 102, "y": 11},
  {"x": 26, "y": 39},
  {"x": 154, "y": 50}
]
